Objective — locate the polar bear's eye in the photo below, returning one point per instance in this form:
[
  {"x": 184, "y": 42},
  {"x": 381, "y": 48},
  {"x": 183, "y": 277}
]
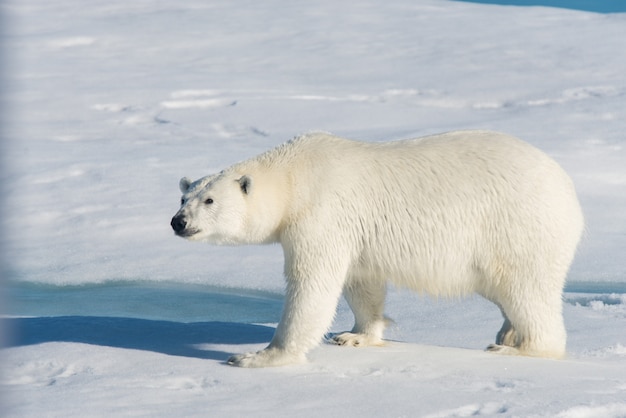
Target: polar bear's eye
[
  {"x": 209, "y": 201},
  {"x": 182, "y": 201}
]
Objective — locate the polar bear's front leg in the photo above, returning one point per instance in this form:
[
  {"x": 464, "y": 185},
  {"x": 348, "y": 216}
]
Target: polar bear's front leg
[
  {"x": 309, "y": 310},
  {"x": 269, "y": 357},
  {"x": 366, "y": 297}
]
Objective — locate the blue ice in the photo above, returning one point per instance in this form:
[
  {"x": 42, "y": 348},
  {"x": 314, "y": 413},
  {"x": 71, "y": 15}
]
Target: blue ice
[{"x": 598, "y": 6}]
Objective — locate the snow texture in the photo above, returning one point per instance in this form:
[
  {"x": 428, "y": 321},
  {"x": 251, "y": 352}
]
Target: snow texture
[{"x": 110, "y": 104}]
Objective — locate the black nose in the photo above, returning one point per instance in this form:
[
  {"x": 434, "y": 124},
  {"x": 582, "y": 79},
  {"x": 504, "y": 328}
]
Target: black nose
[{"x": 178, "y": 223}]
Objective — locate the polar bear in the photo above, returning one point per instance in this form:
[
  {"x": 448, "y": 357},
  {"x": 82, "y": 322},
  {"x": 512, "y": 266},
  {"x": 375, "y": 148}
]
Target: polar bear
[{"x": 451, "y": 214}]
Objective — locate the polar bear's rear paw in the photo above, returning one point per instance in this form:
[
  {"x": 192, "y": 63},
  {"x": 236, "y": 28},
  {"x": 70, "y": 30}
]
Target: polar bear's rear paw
[
  {"x": 503, "y": 349},
  {"x": 557, "y": 353},
  {"x": 355, "y": 340},
  {"x": 270, "y": 357}
]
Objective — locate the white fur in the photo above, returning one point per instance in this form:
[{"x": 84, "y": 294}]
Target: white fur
[{"x": 448, "y": 215}]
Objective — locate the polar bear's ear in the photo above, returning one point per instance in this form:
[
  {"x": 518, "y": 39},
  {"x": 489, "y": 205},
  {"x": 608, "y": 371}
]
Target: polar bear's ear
[
  {"x": 245, "y": 183},
  {"x": 184, "y": 184}
]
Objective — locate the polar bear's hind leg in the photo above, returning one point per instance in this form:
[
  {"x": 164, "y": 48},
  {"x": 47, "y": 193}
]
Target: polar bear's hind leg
[
  {"x": 533, "y": 325},
  {"x": 507, "y": 335}
]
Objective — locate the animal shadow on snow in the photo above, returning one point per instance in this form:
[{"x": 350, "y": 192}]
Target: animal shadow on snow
[{"x": 172, "y": 338}]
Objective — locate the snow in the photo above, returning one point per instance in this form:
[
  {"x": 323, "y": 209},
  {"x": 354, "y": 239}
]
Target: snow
[{"x": 111, "y": 104}]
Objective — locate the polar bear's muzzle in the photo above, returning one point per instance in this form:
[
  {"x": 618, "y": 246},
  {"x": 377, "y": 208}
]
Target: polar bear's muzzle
[{"x": 179, "y": 225}]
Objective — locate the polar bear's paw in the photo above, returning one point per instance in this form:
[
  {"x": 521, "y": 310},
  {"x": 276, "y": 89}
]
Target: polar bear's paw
[
  {"x": 355, "y": 340},
  {"x": 270, "y": 357},
  {"x": 553, "y": 353},
  {"x": 503, "y": 349}
]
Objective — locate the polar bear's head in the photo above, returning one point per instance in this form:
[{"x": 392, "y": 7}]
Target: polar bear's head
[{"x": 226, "y": 208}]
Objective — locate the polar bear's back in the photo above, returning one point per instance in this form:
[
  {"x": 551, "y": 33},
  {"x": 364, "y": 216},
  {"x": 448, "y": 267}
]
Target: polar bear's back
[{"x": 441, "y": 214}]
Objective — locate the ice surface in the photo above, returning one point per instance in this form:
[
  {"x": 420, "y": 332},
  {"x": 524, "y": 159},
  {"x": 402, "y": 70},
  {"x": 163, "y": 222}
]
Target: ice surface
[
  {"x": 108, "y": 112},
  {"x": 112, "y": 103}
]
